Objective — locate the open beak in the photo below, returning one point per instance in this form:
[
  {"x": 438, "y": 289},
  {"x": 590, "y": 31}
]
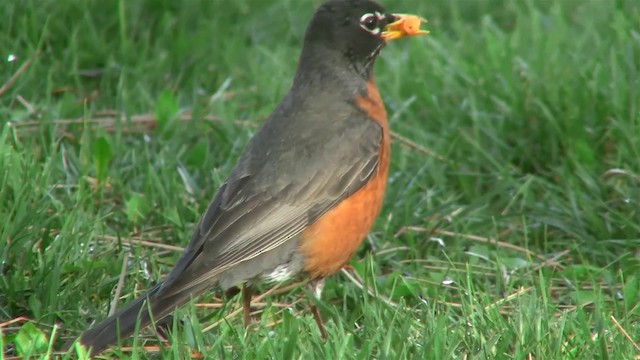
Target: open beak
[{"x": 403, "y": 25}]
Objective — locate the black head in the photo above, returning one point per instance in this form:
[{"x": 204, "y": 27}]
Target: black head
[{"x": 346, "y": 33}]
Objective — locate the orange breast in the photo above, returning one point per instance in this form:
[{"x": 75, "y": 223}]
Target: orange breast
[{"x": 331, "y": 241}]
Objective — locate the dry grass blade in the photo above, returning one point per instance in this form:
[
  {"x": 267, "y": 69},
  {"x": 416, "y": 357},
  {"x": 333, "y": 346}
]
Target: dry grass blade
[
  {"x": 123, "y": 272},
  {"x": 135, "y": 123},
  {"x": 239, "y": 310},
  {"x": 355, "y": 278},
  {"x": 625, "y": 333},
  {"x": 253, "y": 304},
  {"x": 108, "y": 120},
  {"x": 404, "y": 141},
  {"x": 619, "y": 172},
  {"x": 487, "y": 240},
  {"x": 391, "y": 250},
  {"x": 27, "y": 105},
  {"x": 278, "y": 321},
  {"x": 138, "y": 241},
  {"x": 147, "y": 348},
  {"x": 475, "y": 272},
  {"x": 13, "y": 321},
  {"x": 19, "y": 72},
  {"x": 156, "y": 349},
  {"x": 508, "y": 298},
  {"x": 551, "y": 261},
  {"x": 284, "y": 289}
]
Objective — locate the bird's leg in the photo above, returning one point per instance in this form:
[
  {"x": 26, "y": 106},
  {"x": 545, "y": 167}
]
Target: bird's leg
[
  {"x": 316, "y": 286},
  {"x": 246, "y": 304}
]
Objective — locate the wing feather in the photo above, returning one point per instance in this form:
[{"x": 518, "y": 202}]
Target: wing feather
[{"x": 261, "y": 207}]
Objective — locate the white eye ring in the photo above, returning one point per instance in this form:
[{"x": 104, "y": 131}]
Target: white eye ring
[{"x": 369, "y": 22}]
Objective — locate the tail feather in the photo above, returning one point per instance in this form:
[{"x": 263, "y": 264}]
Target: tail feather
[{"x": 122, "y": 324}]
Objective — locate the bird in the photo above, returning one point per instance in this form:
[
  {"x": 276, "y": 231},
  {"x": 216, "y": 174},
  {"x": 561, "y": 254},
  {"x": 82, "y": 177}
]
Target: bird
[{"x": 307, "y": 188}]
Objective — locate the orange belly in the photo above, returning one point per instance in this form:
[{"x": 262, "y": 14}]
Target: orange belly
[{"x": 330, "y": 242}]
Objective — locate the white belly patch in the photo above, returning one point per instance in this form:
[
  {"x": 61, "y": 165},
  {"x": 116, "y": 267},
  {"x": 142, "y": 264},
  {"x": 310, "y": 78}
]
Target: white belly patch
[{"x": 280, "y": 273}]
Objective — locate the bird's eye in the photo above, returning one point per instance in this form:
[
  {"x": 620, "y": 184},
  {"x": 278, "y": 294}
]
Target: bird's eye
[{"x": 369, "y": 22}]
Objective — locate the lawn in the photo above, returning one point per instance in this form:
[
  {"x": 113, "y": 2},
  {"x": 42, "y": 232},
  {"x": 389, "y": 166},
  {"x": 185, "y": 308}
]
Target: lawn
[{"x": 511, "y": 223}]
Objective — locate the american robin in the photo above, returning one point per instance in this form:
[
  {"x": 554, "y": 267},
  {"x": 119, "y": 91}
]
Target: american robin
[{"x": 307, "y": 188}]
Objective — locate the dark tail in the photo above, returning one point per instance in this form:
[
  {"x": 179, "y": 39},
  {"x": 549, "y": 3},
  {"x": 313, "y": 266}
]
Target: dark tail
[{"x": 122, "y": 324}]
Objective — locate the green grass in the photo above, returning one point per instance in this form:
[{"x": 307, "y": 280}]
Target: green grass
[{"x": 532, "y": 107}]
